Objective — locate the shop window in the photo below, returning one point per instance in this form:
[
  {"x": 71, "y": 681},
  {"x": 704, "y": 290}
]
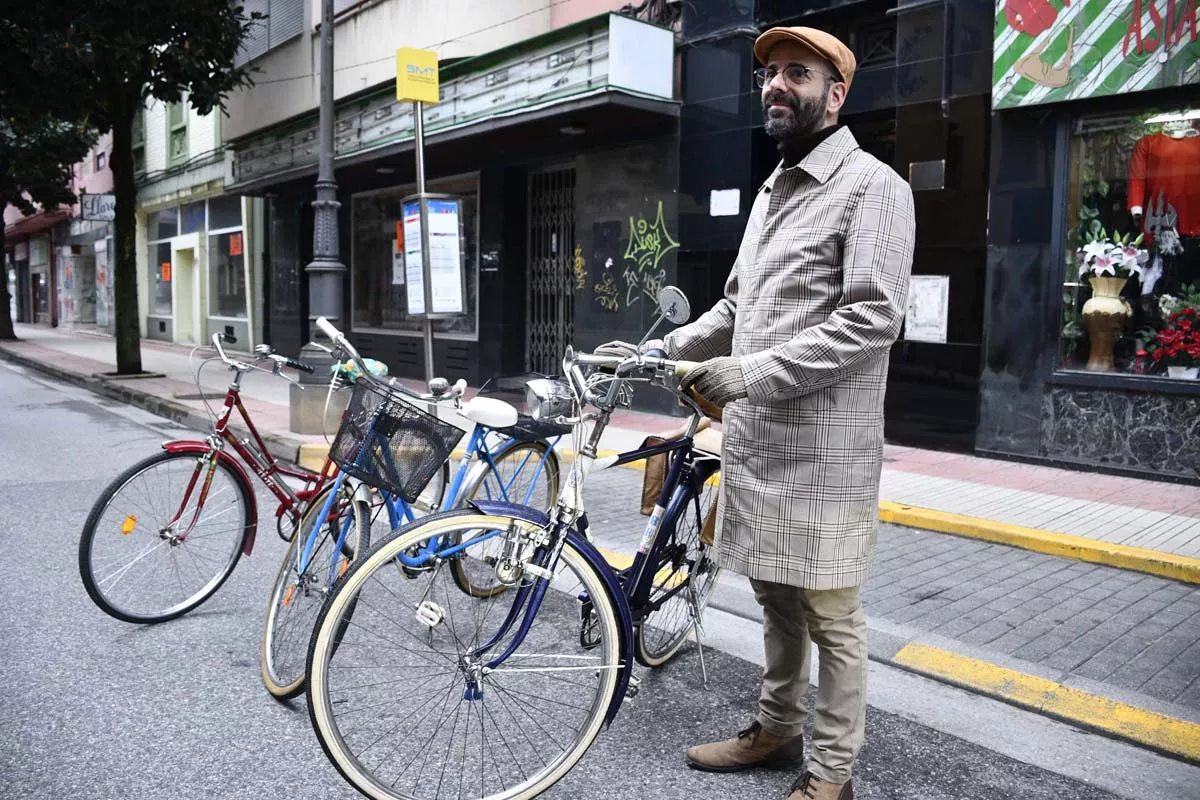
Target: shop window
[
  {"x": 191, "y": 218},
  {"x": 224, "y": 212},
  {"x": 1131, "y": 295},
  {"x": 162, "y": 224},
  {"x": 159, "y": 265},
  {"x": 227, "y": 275},
  {"x": 379, "y": 293}
]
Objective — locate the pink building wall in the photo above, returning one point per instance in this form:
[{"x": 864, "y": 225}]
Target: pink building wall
[{"x": 564, "y": 13}]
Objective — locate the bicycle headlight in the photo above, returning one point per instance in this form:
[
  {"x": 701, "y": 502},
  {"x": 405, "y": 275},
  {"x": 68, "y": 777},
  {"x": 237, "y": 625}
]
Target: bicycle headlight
[{"x": 546, "y": 399}]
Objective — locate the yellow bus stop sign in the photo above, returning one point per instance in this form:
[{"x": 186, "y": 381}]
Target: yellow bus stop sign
[{"x": 416, "y": 75}]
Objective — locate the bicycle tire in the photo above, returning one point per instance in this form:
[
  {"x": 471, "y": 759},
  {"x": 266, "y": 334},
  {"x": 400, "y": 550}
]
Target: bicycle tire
[
  {"x": 663, "y": 631},
  {"x": 100, "y": 587},
  {"x": 474, "y": 576},
  {"x": 372, "y": 665},
  {"x": 283, "y": 653}
]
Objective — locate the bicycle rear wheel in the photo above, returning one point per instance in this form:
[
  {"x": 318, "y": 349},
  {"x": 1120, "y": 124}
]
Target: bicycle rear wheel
[
  {"x": 401, "y": 699},
  {"x": 684, "y": 571},
  {"x": 147, "y": 554},
  {"x": 297, "y": 598},
  {"x": 526, "y": 473}
]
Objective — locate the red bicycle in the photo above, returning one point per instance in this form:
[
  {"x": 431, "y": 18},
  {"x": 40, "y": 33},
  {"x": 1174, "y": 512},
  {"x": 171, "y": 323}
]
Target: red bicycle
[{"x": 164, "y": 536}]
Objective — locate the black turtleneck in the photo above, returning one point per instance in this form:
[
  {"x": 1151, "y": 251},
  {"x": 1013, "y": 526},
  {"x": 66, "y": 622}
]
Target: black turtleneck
[{"x": 794, "y": 151}]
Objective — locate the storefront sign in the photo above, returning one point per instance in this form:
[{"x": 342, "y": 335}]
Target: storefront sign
[
  {"x": 235, "y": 244},
  {"x": 445, "y": 270},
  {"x": 98, "y": 206},
  {"x": 397, "y": 262},
  {"x": 1048, "y": 51},
  {"x": 416, "y": 75},
  {"x": 928, "y": 308},
  {"x": 166, "y": 272}
]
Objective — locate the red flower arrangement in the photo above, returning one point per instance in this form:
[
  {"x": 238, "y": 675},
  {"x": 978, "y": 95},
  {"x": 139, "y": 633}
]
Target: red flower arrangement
[{"x": 1178, "y": 344}]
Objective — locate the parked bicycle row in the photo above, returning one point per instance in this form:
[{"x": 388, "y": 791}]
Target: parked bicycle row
[{"x": 456, "y": 630}]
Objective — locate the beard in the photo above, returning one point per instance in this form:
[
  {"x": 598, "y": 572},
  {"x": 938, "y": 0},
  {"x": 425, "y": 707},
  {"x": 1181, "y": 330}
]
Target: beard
[{"x": 802, "y": 119}]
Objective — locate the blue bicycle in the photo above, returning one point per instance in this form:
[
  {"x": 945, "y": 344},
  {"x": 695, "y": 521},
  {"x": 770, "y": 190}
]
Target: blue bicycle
[{"x": 393, "y": 450}]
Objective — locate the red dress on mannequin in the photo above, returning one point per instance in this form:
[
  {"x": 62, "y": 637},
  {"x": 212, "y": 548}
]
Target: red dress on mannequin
[{"x": 1164, "y": 176}]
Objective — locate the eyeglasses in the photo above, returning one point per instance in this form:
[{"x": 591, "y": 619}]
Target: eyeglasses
[{"x": 795, "y": 74}]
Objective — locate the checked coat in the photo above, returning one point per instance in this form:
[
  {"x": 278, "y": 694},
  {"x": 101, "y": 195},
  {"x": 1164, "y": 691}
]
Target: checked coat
[{"x": 813, "y": 304}]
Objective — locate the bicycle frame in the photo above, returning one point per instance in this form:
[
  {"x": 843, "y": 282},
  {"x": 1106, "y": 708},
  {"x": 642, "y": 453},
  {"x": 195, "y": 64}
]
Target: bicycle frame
[
  {"x": 254, "y": 453},
  {"x": 477, "y": 451}
]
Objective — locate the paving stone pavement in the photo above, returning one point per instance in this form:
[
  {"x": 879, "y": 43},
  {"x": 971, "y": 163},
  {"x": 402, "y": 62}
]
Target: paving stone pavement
[{"x": 1075, "y": 620}]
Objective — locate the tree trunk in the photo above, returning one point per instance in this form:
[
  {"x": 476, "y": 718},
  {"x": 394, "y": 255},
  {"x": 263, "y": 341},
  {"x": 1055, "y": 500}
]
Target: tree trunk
[
  {"x": 6, "y": 321},
  {"x": 125, "y": 293}
]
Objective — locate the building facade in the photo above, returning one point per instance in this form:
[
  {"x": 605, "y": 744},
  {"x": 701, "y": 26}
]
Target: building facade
[
  {"x": 562, "y": 146},
  {"x": 199, "y": 250},
  {"x": 1096, "y": 135}
]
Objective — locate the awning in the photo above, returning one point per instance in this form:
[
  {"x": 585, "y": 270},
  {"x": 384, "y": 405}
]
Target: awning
[
  {"x": 33, "y": 225},
  {"x": 610, "y": 60}
]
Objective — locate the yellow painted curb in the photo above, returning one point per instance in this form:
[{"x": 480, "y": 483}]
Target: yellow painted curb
[
  {"x": 1149, "y": 728},
  {"x": 1153, "y": 562}
]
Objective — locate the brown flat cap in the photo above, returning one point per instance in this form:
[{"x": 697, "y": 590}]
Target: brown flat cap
[{"x": 820, "y": 42}]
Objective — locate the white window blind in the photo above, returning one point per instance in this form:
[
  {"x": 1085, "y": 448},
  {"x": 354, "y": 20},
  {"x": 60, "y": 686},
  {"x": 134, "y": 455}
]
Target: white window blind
[{"x": 284, "y": 21}]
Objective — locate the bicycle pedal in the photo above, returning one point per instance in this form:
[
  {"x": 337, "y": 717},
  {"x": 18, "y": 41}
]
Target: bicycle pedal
[
  {"x": 635, "y": 686},
  {"x": 430, "y": 614}
]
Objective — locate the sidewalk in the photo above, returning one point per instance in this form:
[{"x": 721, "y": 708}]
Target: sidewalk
[
  {"x": 1107, "y": 649},
  {"x": 1017, "y": 500}
]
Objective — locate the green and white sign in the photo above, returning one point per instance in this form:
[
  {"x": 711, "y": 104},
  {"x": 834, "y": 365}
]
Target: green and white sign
[{"x": 1048, "y": 51}]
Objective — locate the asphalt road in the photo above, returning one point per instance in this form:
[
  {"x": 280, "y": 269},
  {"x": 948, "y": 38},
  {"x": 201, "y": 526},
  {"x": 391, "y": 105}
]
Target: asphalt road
[{"x": 94, "y": 708}]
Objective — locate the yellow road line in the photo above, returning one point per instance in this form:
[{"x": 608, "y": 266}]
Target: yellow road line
[
  {"x": 1153, "y": 562},
  {"x": 1139, "y": 725}
]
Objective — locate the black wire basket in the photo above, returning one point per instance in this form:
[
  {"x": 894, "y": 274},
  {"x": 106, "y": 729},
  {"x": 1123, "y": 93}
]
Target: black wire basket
[{"x": 390, "y": 444}]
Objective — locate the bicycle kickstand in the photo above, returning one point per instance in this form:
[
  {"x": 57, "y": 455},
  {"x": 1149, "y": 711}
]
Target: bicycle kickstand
[{"x": 698, "y": 626}]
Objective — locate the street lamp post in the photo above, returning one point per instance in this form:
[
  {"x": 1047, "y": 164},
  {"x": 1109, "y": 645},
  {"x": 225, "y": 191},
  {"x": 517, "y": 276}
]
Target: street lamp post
[{"x": 326, "y": 272}]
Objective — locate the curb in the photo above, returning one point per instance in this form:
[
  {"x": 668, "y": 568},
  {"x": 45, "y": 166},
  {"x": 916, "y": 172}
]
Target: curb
[
  {"x": 1078, "y": 548},
  {"x": 280, "y": 447},
  {"x": 1165, "y": 734}
]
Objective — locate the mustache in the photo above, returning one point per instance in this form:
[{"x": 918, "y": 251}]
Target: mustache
[{"x": 780, "y": 97}]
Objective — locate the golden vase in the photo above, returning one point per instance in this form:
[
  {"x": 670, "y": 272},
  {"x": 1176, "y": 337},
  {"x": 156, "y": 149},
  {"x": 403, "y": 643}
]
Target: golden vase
[{"x": 1106, "y": 314}]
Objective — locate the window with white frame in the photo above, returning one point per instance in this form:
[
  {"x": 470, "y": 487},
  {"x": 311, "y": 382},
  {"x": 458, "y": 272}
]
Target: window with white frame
[{"x": 226, "y": 258}]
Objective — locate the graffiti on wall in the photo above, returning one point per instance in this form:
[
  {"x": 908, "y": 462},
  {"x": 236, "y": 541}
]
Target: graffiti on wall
[
  {"x": 648, "y": 243},
  {"x": 607, "y": 291}
]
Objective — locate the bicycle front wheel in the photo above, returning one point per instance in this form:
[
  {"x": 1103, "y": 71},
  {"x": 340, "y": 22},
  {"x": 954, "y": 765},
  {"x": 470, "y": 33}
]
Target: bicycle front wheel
[
  {"x": 683, "y": 573},
  {"x": 157, "y": 543},
  {"x": 297, "y": 596},
  {"x": 525, "y": 473},
  {"x": 406, "y": 698}
]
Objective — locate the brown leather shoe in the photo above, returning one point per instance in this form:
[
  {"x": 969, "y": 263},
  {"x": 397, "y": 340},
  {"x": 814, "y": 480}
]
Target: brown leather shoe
[
  {"x": 753, "y": 747},
  {"x": 810, "y": 787}
]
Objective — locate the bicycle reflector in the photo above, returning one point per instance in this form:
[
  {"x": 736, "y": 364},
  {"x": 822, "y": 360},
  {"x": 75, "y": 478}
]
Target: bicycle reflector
[{"x": 128, "y": 525}]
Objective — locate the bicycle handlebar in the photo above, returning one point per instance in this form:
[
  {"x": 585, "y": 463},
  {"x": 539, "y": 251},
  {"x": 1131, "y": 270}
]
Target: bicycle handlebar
[
  {"x": 218, "y": 338},
  {"x": 339, "y": 340}
]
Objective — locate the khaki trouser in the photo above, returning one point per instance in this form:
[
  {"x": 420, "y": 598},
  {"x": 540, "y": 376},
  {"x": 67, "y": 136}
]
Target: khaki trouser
[{"x": 834, "y": 620}]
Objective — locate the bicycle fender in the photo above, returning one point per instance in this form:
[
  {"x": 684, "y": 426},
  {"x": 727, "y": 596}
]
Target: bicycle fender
[
  {"x": 597, "y": 562},
  {"x": 199, "y": 447}
]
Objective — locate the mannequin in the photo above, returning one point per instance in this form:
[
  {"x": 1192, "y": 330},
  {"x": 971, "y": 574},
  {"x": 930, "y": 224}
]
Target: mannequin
[
  {"x": 1164, "y": 196},
  {"x": 1164, "y": 175}
]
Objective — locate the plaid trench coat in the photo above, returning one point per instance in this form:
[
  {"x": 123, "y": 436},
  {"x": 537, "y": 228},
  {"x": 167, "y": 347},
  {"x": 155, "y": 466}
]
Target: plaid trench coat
[{"x": 813, "y": 304}]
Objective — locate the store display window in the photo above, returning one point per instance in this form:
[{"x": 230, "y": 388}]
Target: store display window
[{"x": 1131, "y": 295}]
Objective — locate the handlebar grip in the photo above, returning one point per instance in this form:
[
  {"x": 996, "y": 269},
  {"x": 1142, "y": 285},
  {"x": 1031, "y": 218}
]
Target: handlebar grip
[
  {"x": 300, "y": 365},
  {"x": 684, "y": 367},
  {"x": 326, "y": 327}
]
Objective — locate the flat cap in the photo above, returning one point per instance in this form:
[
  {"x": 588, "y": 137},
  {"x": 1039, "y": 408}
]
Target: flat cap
[{"x": 823, "y": 44}]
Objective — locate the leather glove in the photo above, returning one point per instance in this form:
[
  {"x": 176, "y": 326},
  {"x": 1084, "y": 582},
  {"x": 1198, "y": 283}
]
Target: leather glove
[{"x": 718, "y": 380}]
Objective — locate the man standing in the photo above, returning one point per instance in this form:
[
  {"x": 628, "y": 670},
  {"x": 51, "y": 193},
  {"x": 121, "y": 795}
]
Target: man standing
[{"x": 797, "y": 352}]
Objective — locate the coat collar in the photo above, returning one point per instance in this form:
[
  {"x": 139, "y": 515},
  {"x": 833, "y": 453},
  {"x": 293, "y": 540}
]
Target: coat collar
[{"x": 823, "y": 161}]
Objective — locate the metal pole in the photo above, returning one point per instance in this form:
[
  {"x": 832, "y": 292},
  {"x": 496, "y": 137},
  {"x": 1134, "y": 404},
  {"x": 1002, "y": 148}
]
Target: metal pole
[
  {"x": 426, "y": 267},
  {"x": 326, "y": 273}
]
